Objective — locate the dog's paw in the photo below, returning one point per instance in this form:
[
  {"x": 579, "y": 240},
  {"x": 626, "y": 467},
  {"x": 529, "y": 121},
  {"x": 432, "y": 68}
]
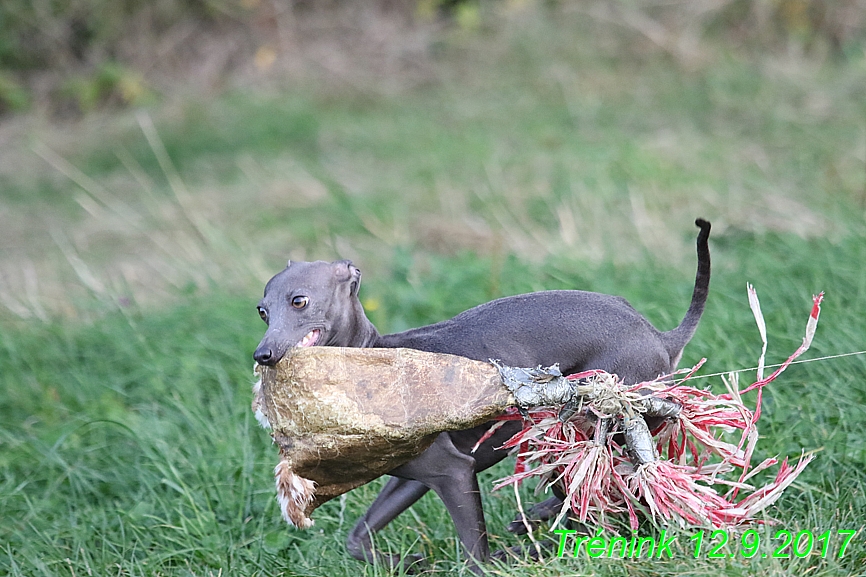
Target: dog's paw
[
  {"x": 523, "y": 525},
  {"x": 537, "y": 514},
  {"x": 411, "y": 564}
]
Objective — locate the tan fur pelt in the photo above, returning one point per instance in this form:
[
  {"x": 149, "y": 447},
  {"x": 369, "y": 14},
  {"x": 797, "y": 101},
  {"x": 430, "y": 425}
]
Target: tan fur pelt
[{"x": 345, "y": 416}]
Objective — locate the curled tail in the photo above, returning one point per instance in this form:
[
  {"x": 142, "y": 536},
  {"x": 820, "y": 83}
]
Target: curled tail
[{"x": 676, "y": 339}]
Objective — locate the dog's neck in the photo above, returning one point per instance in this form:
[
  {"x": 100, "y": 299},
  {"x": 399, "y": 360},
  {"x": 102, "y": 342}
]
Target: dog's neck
[
  {"x": 367, "y": 335},
  {"x": 363, "y": 333}
]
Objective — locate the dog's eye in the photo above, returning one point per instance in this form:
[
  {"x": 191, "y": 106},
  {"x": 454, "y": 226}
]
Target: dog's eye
[
  {"x": 300, "y": 302},
  {"x": 263, "y": 313}
]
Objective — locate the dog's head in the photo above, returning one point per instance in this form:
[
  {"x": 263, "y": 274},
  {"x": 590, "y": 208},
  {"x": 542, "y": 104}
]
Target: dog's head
[{"x": 309, "y": 304}]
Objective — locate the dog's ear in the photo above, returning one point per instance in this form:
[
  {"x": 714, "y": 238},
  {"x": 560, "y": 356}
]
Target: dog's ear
[
  {"x": 347, "y": 272},
  {"x": 356, "y": 279}
]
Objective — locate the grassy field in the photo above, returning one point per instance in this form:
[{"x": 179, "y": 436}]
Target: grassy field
[{"x": 549, "y": 152}]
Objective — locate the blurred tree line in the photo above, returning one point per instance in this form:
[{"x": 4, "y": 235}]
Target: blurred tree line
[{"x": 79, "y": 55}]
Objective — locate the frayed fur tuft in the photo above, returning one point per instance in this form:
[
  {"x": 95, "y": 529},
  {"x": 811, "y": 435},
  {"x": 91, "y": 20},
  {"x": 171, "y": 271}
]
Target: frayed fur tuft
[
  {"x": 259, "y": 405},
  {"x": 294, "y": 494}
]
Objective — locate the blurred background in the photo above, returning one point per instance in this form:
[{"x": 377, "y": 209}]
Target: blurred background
[
  {"x": 160, "y": 161},
  {"x": 152, "y": 148}
]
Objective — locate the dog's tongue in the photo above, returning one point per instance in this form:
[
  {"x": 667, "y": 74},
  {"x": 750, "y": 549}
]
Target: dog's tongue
[{"x": 309, "y": 339}]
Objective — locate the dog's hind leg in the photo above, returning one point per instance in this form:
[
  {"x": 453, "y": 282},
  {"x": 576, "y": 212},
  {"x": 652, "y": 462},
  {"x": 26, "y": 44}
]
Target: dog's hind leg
[
  {"x": 451, "y": 474},
  {"x": 397, "y": 496},
  {"x": 535, "y": 516}
]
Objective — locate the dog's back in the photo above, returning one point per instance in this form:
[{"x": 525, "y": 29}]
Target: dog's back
[{"x": 577, "y": 329}]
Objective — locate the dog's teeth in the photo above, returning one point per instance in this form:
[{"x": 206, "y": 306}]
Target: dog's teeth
[{"x": 308, "y": 338}]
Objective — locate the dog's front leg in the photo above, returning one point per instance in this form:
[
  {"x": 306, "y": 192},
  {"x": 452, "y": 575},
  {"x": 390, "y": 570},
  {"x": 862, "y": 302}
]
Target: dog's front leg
[
  {"x": 397, "y": 496},
  {"x": 451, "y": 475}
]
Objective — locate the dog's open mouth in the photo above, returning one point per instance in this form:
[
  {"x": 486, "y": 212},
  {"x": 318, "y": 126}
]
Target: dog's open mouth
[{"x": 310, "y": 339}]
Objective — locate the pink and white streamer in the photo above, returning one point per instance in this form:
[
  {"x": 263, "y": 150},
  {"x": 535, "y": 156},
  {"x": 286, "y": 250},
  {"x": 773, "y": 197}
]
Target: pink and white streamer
[{"x": 696, "y": 451}]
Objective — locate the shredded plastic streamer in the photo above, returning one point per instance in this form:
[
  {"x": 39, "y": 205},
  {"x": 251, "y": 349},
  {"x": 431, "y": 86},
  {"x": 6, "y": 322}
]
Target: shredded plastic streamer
[{"x": 693, "y": 469}]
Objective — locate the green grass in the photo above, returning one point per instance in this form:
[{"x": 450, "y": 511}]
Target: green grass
[
  {"x": 128, "y": 447},
  {"x": 544, "y": 155}
]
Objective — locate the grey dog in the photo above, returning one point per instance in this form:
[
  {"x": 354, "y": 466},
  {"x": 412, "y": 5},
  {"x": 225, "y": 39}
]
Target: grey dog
[{"x": 316, "y": 304}]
